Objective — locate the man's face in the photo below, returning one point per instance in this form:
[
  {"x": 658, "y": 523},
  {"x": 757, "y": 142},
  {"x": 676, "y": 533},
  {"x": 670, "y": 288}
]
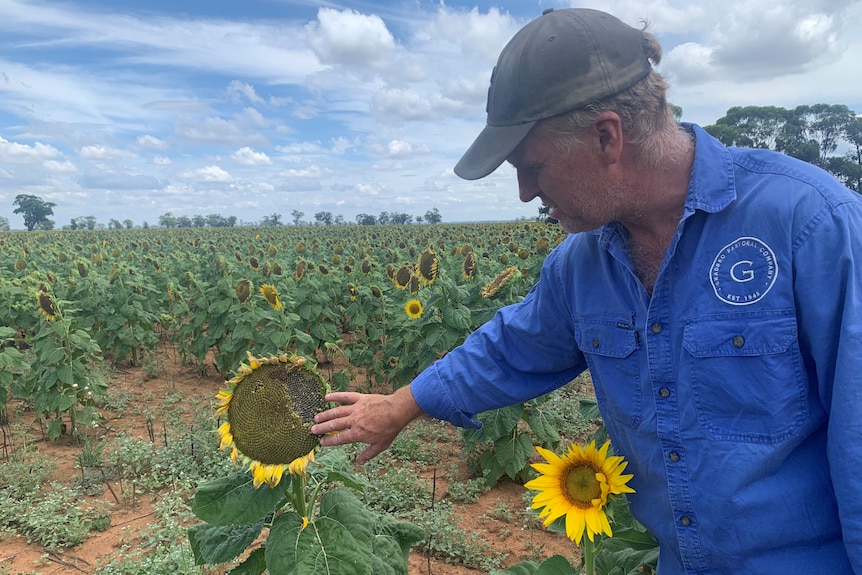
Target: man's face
[{"x": 572, "y": 182}]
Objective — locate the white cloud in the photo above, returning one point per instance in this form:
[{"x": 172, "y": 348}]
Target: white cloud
[
  {"x": 237, "y": 90},
  {"x": 348, "y": 38},
  {"x": 162, "y": 160},
  {"x": 399, "y": 149},
  {"x": 249, "y": 157},
  {"x": 23, "y": 153},
  {"x": 99, "y": 152},
  {"x": 208, "y": 174},
  {"x": 151, "y": 142}
]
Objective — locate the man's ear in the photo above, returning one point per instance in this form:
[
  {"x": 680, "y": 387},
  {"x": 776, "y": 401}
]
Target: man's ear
[{"x": 609, "y": 128}]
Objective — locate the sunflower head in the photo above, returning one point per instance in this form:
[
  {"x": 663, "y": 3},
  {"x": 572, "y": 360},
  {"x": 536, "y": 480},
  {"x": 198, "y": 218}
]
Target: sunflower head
[
  {"x": 46, "y": 306},
  {"x": 271, "y": 294},
  {"x": 468, "y": 267},
  {"x": 300, "y": 269},
  {"x": 243, "y": 290},
  {"x": 402, "y": 277},
  {"x": 494, "y": 286},
  {"x": 577, "y": 486},
  {"x": 427, "y": 268},
  {"x": 270, "y": 409},
  {"x": 413, "y": 309}
]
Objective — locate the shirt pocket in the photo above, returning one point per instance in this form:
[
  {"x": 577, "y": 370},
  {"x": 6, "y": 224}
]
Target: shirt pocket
[
  {"x": 746, "y": 376},
  {"x": 609, "y": 348}
]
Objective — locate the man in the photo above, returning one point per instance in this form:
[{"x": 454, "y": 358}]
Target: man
[{"x": 715, "y": 295}]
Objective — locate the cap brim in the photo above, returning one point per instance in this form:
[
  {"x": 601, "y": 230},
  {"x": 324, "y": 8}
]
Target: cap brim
[{"x": 491, "y": 148}]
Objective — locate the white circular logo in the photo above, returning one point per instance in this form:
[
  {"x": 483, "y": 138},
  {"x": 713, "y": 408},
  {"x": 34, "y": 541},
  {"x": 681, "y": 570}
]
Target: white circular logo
[{"x": 743, "y": 271}]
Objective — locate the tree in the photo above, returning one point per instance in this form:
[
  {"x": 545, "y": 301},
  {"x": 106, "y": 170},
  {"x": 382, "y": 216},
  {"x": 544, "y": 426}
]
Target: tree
[
  {"x": 365, "y": 220},
  {"x": 297, "y": 217},
  {"x": 433, "y": 216},
  {"x": 543, "y": 217},
  {"x": 167, "y": 220},
  {"x": 114, "y": 224},
  {"x": 383, "y": 218},
  {"x": 273, "y": 220},
  {"x": 400, "y": 219},
  {"x": 810, "y": 133},
  {"x": 4, "y": 224},
  {"x": 34, "y": 210},
  {"x": 323, "y": 218},
  {"x": 199, "y": 221},
  {"x": 184, "y": 222}
]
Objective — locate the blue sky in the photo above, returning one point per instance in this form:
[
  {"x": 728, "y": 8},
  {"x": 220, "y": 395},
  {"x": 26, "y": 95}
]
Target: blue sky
[{"x": 128, "y": 109}]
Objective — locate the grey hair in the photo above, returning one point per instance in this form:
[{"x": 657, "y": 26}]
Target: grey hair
[{"x": 647, "y": 118}]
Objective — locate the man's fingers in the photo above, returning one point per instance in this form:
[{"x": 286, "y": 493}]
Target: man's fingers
[{"x": 343, "y": 397}]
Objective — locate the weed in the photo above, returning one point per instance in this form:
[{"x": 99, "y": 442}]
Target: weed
[{"x": 501, "y": 512}]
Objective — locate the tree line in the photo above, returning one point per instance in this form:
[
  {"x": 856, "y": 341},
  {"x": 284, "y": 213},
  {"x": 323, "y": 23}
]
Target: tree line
[{"x": 826, "y": 135}]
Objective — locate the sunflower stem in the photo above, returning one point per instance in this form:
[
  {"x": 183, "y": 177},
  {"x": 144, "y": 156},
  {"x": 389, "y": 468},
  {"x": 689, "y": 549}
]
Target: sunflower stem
[
  {"x": 297, "y": 484},
  {"x": 589, "y": 548}
]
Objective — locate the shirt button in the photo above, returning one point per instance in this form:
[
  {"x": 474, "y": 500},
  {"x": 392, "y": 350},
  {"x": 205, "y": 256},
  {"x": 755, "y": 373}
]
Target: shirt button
[
  {"x": 684, "y": 521},
  {"x": 738, "y": 341},
  {"x": 656, "y": 328},
  {"x": 673, "y": 456},
  {"x": 664, "y": 393},
  {"x": 596, "y": 342}
]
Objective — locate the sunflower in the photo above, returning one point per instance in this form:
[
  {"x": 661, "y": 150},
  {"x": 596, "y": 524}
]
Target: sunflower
[
  {"x": 494, "y": 286},
  {"x": 402, "y": 277},
  {"x": 577, "y": 486},
  {"x": 427, "y": 268},
  {"x": 270, "y": 408},
  {"x": 300, "y": 269},
  {"x": 468, "y": 267},
  {"x": 351, "y": 291},
  {"x": 413, "y": 309},
  {"x": 271, "y": 294},
  {"x": 243, "y": 290},
  {"x": 46, "y": 306}
]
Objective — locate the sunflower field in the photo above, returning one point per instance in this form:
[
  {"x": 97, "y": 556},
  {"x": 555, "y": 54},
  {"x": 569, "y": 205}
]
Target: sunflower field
[{"x": 387, "y": 300}]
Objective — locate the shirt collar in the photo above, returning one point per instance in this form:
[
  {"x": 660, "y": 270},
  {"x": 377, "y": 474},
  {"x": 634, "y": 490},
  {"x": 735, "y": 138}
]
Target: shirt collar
[{"x": 711, "y": 187}]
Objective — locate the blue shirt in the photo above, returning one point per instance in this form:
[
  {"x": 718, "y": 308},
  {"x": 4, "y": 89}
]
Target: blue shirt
[{"x": 734, "y": 391}]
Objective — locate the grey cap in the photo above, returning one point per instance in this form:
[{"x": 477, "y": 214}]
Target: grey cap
[{"x": 559, "y": 62}]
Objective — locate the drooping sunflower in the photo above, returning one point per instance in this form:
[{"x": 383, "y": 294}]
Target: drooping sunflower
[
  {"x": 243, "y": 291},
  {"x": 413, "y": 309},
  {"x": 468, "y": 267},
  {"x": 351, "y": 291},
  {"x": 300, "y": 269},
  {"x": 494, "y": 286},
  {"x": 271, "y": 294},
  {"x": 270, "y": 409},
  {"x": 577, "y": 486},
  {"x": 402, "y": 277},
  {"x": 46, "y": 306},
  {"x": 427, "y": 267}
]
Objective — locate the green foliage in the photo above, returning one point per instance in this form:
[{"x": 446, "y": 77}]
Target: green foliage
[
  {"x": 12, "y": 363},
  {"x": 811, "y": 133},
  {"x": 60, "y": 379},
  {"x": 54, "y": 517},
  {"x": 33, "y": 209},
  {"x": 504, "y": 444},
  {"x": 335, "y": 533}
]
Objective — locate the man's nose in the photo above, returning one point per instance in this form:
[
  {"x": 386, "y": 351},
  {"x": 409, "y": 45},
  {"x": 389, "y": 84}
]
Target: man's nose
[{"x": 528, "y": 186}]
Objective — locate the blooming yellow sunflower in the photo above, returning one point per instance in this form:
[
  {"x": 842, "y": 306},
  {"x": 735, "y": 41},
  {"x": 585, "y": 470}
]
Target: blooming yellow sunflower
[
  {"x": 270, "y": 409},
  {"x": 271, "y": 294},
  {"x": 413, "y": 309},
  {"x": 577, "y": 485}
]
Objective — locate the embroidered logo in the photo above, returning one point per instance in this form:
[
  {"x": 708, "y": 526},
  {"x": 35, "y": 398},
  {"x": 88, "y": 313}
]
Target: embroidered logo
[{"x": 743, "y": 271}]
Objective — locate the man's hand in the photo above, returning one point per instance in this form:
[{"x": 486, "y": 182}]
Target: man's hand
[{"x": 367, "y": 418}]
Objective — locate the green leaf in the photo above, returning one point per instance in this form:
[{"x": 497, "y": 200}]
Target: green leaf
[
  {"x": 522, "y": 568},
  {"x": 325, "y": 547},
  {"x": 501, "y": 422},
  {"x": 457, "y": 317},
  {"x": 233, "y": 500},
  {"x": 544, "y": 424},
  {"x": 255, "y": 564},
  {"x": 513, "y": 453},
  {"x": 589, "y": 409},
  {"x": 213, "y": 544}
]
